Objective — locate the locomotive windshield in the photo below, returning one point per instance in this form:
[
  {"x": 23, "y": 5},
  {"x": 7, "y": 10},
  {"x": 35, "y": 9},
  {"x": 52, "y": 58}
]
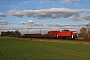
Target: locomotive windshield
[{"x": 64, "y": 30}]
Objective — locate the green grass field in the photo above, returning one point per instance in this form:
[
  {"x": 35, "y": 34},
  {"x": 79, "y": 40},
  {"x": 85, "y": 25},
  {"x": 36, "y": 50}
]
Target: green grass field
[{"x": 37, "y": 49}]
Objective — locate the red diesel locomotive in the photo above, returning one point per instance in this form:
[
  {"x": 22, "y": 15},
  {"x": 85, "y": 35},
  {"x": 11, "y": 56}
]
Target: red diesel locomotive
[
  {"x": 62, "y": 34},
  {"x": 54, "y": 34}
]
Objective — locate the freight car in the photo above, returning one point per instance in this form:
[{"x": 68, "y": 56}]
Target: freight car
[
  {"x": 37, "y": 35},
  {"x": 26, "y": 35}
]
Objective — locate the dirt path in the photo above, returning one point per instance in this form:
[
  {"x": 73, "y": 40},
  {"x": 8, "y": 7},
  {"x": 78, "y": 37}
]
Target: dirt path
[{"x": 56, "y": 40}]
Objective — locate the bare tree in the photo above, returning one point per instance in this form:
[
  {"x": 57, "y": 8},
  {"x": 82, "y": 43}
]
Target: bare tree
[
  {"x": 83, "y": 32},
  {"x": 17, "y": 33},
  {"x": 88, "y": 29}
]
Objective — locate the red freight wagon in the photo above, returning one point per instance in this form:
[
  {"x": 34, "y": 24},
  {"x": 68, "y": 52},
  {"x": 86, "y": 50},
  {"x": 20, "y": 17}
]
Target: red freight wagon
[
  {"x": 32, "y": 35},
  {"x": 35, "y": 35},
  {"x": 26, "y": 35}
]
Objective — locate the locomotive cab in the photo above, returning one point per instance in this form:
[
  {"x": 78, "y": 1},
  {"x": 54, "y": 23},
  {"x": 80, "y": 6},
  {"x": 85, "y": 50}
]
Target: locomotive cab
[{"x": 74, "y": 34}]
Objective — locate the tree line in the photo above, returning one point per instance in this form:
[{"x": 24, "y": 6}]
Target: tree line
[{"x": 15, "y": 33}]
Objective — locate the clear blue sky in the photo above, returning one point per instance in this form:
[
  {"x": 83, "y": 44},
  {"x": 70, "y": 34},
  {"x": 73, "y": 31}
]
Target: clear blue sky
[{"x": 15, "y": 14}]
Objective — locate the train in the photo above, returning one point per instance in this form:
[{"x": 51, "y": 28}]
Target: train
[{"x": 54, "y": 34}]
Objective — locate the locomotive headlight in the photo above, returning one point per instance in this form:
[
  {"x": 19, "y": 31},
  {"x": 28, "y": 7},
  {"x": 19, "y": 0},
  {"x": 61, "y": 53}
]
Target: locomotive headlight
[{"x": 57, "y": 36}]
